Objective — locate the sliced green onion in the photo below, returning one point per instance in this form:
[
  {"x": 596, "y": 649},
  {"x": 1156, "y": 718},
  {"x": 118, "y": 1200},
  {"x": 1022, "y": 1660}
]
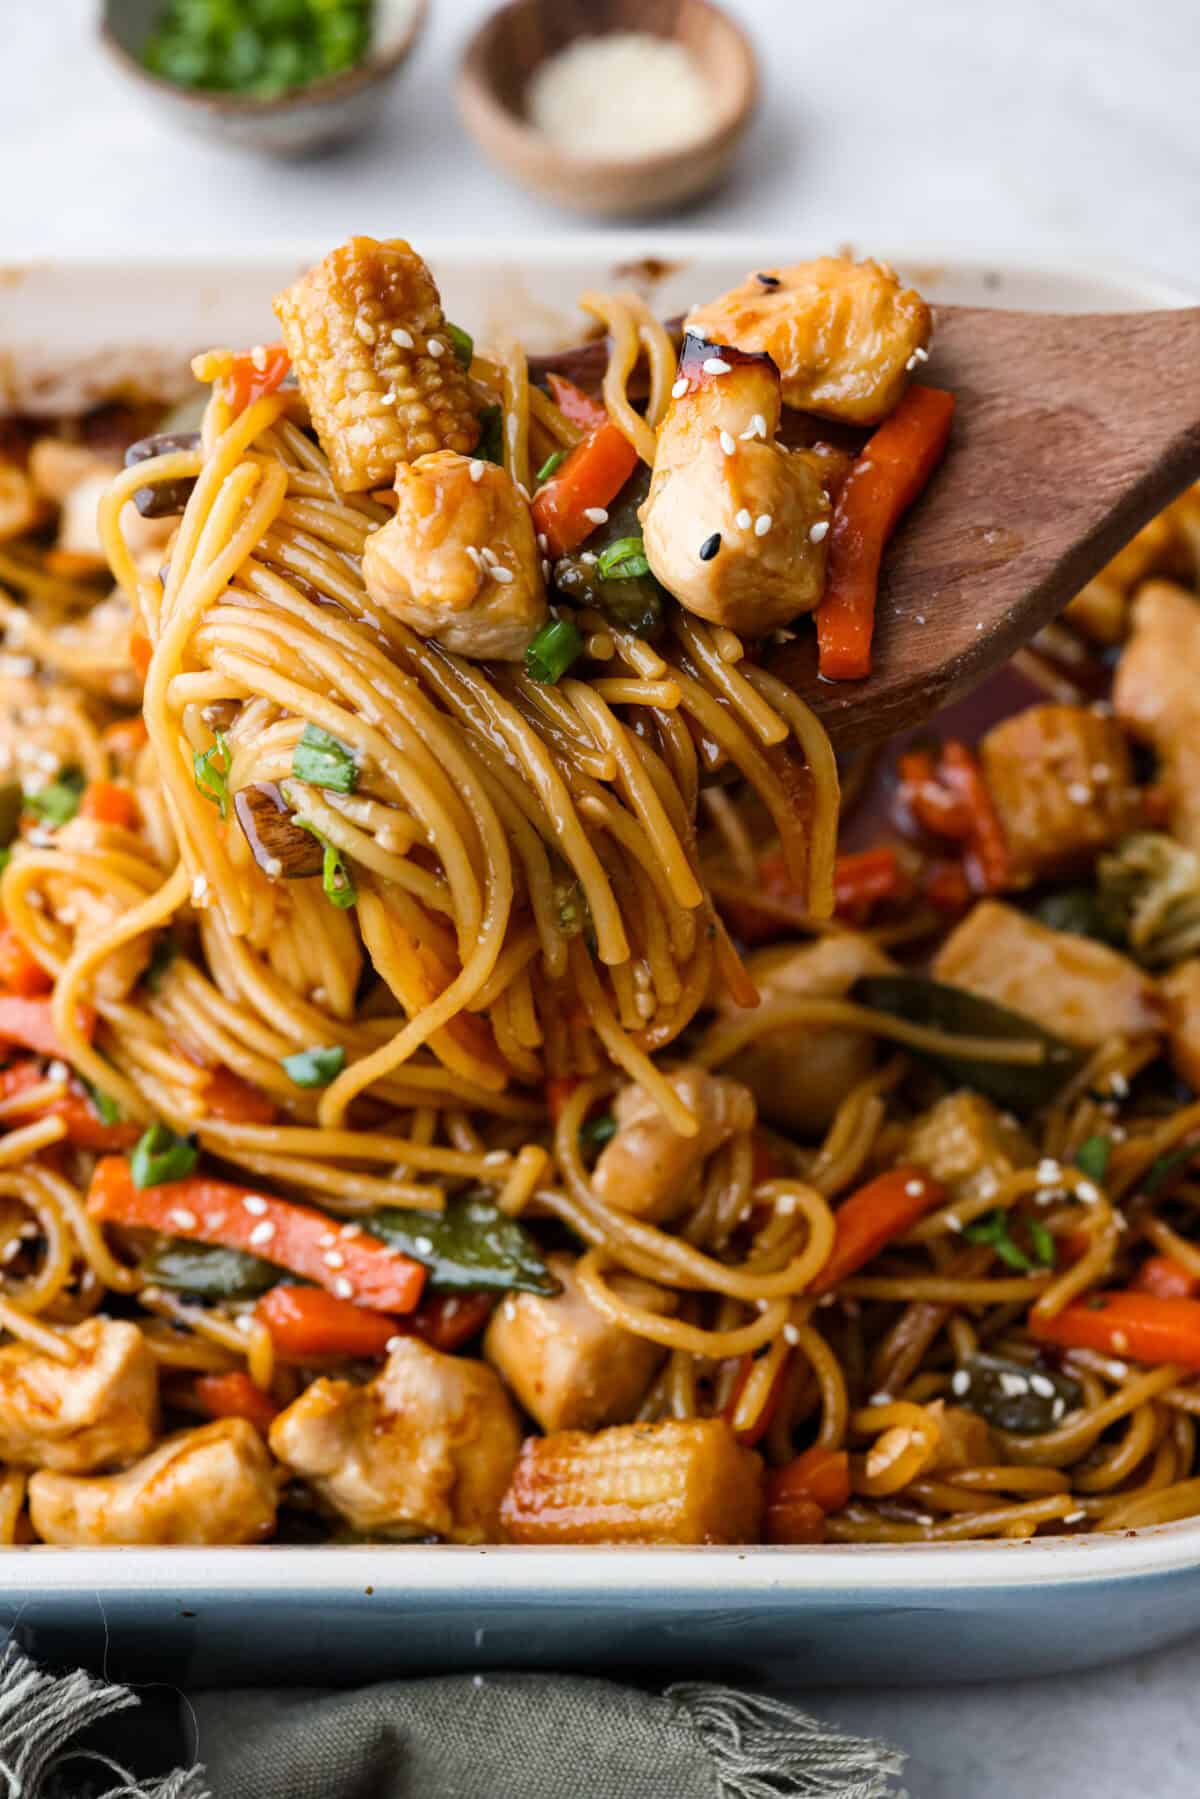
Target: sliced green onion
[
  {"x": 548, "y": 467},
  {"x": 160, "y": 1156},
  {"x": 490, "y": 447},
  {"x": 993, "y": 1230},
  {"x": 553, "y": 649},
  {"x": 623, "y": 560},
  {"x": 596, "y": 1132},
  {"x": 462, "y": 343},
  {"x": 324, "y": 761},
  {"x": 337, "y": 880},
  {"x": 58, "y": 803},
  {"x": 314, "y": 1067},
  {"x": 1043, "y": 1243},
  {"x": 211, "y": 770},
  {"x": 1092, "y": 1157},
  {"x": 103, "y": 1104}
]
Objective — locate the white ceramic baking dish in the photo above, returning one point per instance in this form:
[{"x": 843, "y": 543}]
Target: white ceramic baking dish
[{"x": 72, "y": 333}]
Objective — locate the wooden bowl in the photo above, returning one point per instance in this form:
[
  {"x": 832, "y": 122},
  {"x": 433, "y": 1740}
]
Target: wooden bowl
[
  {"x": 303, "y": 119},
  {"x": 510, "y": 45}
]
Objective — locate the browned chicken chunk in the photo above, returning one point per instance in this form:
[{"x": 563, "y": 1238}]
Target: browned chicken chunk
[
  {"x": 734, "y": 524},
  {"x": 647, "y": 1168},
  {"x": 215, "y": 1484},
  {"x": 459, "y": 562},
  {"x": 88, "y": 911},
  {"x": 426, "y": 1448},
  {"x": 1157, "y": 694},
  {"x": 1062, "y": 785},
  {"x": 844, "y": 335},
  {"x": 569, "y": 1367},
  {"x": 680, "y": 1481},
  {"x": 81, "y": 1415},
  {"x": 800, "y": 1073},
  {"x": 76, "y": 477},
  {"x": 1079, "y": 989},
  {"x": 968, "y": 1145},
  {"x": 1181, "y": 990},
  {"x": 367, "y": 339}
]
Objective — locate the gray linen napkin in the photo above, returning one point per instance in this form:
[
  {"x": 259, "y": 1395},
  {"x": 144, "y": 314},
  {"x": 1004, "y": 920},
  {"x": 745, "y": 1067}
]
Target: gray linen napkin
[{"x": 495, "y": 1736}]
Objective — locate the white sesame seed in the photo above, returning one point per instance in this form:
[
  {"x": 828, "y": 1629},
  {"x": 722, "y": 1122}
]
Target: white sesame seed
[
  {"x": 818, "y": 532},
  {"x": 350, "y": 1230},
  {"x": 1058, "y": 1409},
  {"x": 272, "y": 867},
  {"x": 1120, "y": 1343},
  {"x": 791, "y": 1334},
  {"x": 214, "y": 1221},
  {"x": 489, "y": 556},
  {"x": 423, "y": 1245},
  {"x": 324, "y": 1241},
  {"x": 786, "y": 1204},
  {"x": 757, "y": 426},
  {"x": 1076, "y": 1517},
  {"x": 914, "y": 1189},
  {"x": 393, "y": 1343},
  {"x": 918, "y": 356},
  {"x": 953, "y": 1221},
  {"x": 596, "y": 515},
  {"x": 543, "y": 542},
  {"x": 364, "y": 329},
  {"x": 1100, "y": 771},
  {"x": 960, "y": 1382},
  {"x": 761, "y": 1305},
  {"x": 343, "y": 1288},
  {"x": 474, "y": 555},
  {"x": 880, "y": 1399},
  {"x": 762, "y": 524},
  {"x": 390, "y": 396},
  {"x": 182, "y": 1219},
  {"x": 503, "y": 575},
  {"x": 1079, "y": 793},
  {"x": 727, "y": 443},
  {"x": 716, "y": 365},
  {"x": 680, "y": 388},
  {"x": 1119, "y": 1085},
  {"x": 57, "y": 1071},
  {"x": 333, "y": 1258},
  {"x": 1042, "y": 1385},
  {"x": 1088, "y": 1192},
  {"x": 255, "y": 1204},
  {"x": 435, "y": 346},
  {"x": 743, "y": 521},
  {"x": 495, "y": 1158},
  {"x": 262, "y": 1232},
  {"x": 1048, "y": 1171},
  {"x": 402, "y": 338},
  {"x": 258, "y": 357},
  {"x": 1013, "y": 1384},
  {"x": 476, "y": 470},
  {"x": 588, "y": 556},
  {"x": 244, "y": 1323},
  {"x": 199, "y": 888}
]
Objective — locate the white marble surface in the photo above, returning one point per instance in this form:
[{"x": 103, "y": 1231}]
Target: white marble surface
[{"x": 1047, "y": 129}]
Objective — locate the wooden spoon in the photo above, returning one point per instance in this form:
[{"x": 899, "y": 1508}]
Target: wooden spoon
[{"x": 1071, "y": 432}]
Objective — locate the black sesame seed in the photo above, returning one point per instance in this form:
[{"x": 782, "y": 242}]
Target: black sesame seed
[
  {"x": 769, "y": 281},
  {"x": 710, "y": 546}
]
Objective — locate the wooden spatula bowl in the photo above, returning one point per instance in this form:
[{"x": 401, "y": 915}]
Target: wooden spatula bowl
[{"x": 1071, "y": 432}]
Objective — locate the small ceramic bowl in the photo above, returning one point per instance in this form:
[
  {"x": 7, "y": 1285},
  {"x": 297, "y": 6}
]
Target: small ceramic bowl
[
  {"x": 503, "y": 55},
  {"x": 307, "y": 118}
]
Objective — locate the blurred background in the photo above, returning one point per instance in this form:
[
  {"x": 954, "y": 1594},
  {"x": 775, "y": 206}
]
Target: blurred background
[{"x": 1056, "y": 129}]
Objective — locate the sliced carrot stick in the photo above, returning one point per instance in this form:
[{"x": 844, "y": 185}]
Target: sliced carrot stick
[
  {"x": 293, "y": 1236},
  {"x": 140, "y": 651},
  {"x": 870, "y": 1218},
  {"x": 254, "y": 373},
  {"x": 866, "y": 880},
  {"x": 582, "y": 409},
  {"x": 820, "y": 1474},
  {"x": 20, "y": 972},
  {"x": 85, "y": 1127},
  {"x": 308, "y": 1323},
  {"x": 589, "y": 480},
  {"x": 109, "y": 804},
  {"x": 1148, "y": 1327},
  {"x": 885, "y": 480},
  {"x": 234, "y": 1101},
  {"x": 236, "y": 1396},
  {"x": 30, "y": 1023}
]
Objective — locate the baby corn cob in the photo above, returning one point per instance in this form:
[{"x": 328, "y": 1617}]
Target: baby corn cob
[
  {"x": 367, "y": 339},
  {"x": 679, "y": 1481}
]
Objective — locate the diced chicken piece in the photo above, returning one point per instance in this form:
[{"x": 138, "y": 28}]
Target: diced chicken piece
[
  {"x": 968, "y": 1145},
  {"x": 964, "y": 1439},
  {"x": 1157, "y": 694},
  {"x": 1078, "y": 989},
  {"x": 81, "y": 1415},
  {"x": 426, "y": 1448},
  {"x": 569, "y": 1367},
  {"x": 89, "y": 912},
  {"x": 42, "y": 728},
  {"x": 1181, "y": 990},
  {"x": 843, "y": 334},
  {"x": 459, "y": 562},
  {"x": 680, "y": 1481},
  {"x": 216, "y": 1484},
  {"x": 647, "y": 1168},
  {"x": 734, "y": 524},
  {"x": 1099, "y": 611},
  {"x": 22, "y": 508},
  {"x": 1062, "y": 785},
  {"x": 801, "y": 1073},
  {"x": 367, "y": 338}
]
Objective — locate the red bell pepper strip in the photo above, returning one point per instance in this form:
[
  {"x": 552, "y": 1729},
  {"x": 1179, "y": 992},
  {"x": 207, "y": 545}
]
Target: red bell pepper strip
[
  {"x": 1166, "y": 1277},
  {"x": 1147, "y": 1327},
  {"x": 448, "y": 1320},
  {"x": 248, "y": 380},
  {"x": 987, "y": 861},
  {"x": 30, "y": 1023},
  {"x": 592, "y": 476},
  {"x": 579, "y": 408},
  {"x": 308, "y": 1323},
  {"x": 885, "y": 480},
  {"x": 85, "y": 1127},
  {"x": 236, "y": 1396},
  {"x": 754, "y": 1433},
  {"x": 870, "y": 1218},
  {"x": 235, "y": 1101},
  {"x": 293, "y": 1236},
  {"x": 866, "y": 880},
  {"x": 20, "y": 972}
]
